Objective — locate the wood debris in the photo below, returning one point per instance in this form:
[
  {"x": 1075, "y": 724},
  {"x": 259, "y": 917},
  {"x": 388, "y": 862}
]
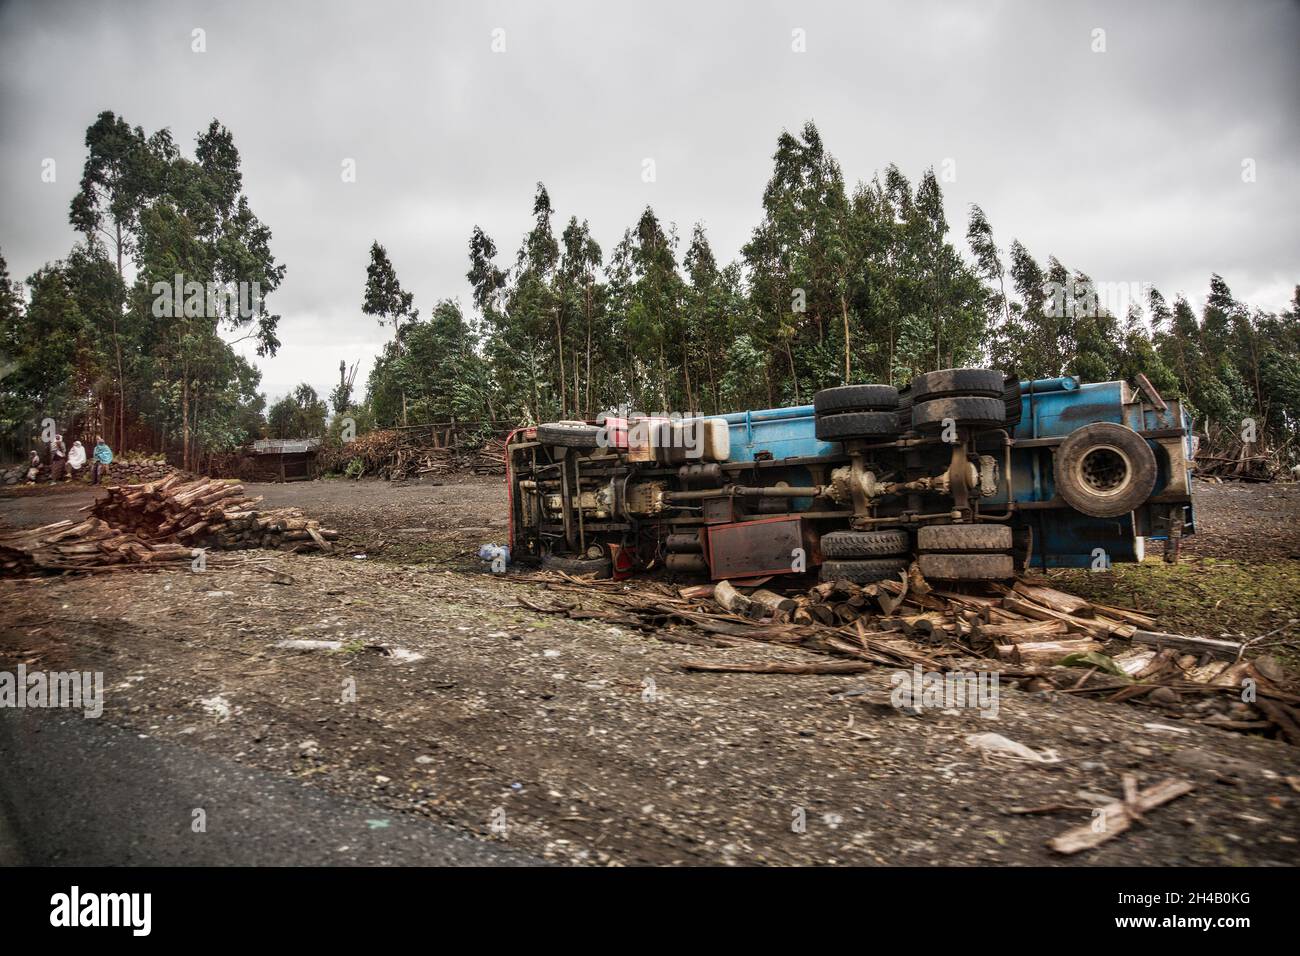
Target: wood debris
[
  {"x": 209, "y": 512},
  {"x": 1029, "y": 632},
  {"x": 420, "y": 451},
  {"x": 1115, "y": 818},
  {"x": 81, "y": 546},
  {"x": 161, "y": 521}
]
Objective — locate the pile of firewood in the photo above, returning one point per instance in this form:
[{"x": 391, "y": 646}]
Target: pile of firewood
[
  {"x": 160, "y": 521},
  {"x": 80, "y": 546},
  {"x": 208, "y": 512},
  {"x": 1223, "y": 454},
  {"x": 400, "y": 455}
]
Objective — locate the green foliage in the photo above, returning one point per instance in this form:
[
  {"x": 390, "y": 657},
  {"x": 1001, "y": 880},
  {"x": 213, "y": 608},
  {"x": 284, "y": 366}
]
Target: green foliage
[{"x": 300, "y": 414}]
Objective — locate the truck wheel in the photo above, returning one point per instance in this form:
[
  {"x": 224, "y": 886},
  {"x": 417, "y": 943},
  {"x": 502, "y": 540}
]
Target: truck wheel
[
  {"x": 569, "y": 434},
  {"x": 856, "y": 398},
  {"x": 953, "y": 382},
  {"x": 863, "y": 572},
  {"x": 600, "y": 567},
  {"x": 864, "y": 544},
  {"x": 856, "y": 425},
  {"x": 973, "y": 412},
  {"x": 1105, "y": 470},
  {"x": 964, "y": 537},
  {"x": 966, "y": 567}
]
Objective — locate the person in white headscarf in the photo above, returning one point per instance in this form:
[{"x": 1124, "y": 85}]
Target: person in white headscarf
[{"x": 76, "y": 459}]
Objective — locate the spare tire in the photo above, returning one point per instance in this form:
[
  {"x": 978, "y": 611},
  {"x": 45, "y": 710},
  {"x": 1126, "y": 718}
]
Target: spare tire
[
  {"x": 600, "y": 567},
  {"x": 1104, "y": 470},
  {"x": 856, "y": 425},
  {"x": 569, "y": 434},
  {"x": 863, "y": 572},
  {"x": 950, "y": 382},
  {"x": 856, "y": 398},
  {"x": 864, "y": 544},
  {"x": 966, "y": 567},
  {"x": 972, "y": 412},
  {"x": 964, "y": 537}
]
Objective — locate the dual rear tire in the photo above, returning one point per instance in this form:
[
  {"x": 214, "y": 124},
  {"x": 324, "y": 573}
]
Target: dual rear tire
[{"x": 965, "y": 552}]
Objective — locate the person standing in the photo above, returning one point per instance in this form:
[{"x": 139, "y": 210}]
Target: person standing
[
  {"x": 58, "y": 458},
  {"x": 103, "y": 458},
  {"x": 33, "y": 468},
  {"x": 76, "y": 459}
]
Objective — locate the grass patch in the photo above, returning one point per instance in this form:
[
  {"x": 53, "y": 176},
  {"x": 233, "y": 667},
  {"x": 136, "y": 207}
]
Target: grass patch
[{"x": 1206, "y": 597}]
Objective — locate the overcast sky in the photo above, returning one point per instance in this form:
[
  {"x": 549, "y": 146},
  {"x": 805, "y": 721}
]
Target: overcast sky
[{"x": 1126, "y": 164}]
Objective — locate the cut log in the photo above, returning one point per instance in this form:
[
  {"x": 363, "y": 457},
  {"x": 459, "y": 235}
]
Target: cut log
[
  {"x": 1050, "y": 652},
  {"x": 729, "y": 599},
  {"x": 1207, "y": 645},
  {"x": 1054, "y": 599}
]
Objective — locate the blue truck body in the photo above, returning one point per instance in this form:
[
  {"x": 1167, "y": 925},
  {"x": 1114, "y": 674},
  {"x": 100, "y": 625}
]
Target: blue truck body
[
  {"x": 774, "y": 455},
  {"x": 1051, "y": 408}
]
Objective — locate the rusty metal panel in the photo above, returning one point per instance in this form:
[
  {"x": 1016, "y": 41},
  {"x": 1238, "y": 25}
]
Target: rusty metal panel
[
  {"x": 719, "y": 510},
  {"x": 749, "y": 549}
]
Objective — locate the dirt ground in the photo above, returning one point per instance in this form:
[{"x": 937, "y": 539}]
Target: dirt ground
[{"x": 579, "y": 742}]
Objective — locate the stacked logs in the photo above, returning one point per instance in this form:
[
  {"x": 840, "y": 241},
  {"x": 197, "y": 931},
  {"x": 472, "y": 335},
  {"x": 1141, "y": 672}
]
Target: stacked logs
[
  {"x": 208, "y": 512},
  {"x": 80, "y": 546}
]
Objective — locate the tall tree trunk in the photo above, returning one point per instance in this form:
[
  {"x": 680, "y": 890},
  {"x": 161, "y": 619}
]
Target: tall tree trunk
[
  {"x": 794, "y": 376},
  {"x": 120, "y": 417},
  {"x": 185, "y": 422},
  {"x": 587, "y": 301},
  {"x": 713, "y": 381},
  {"x": 559, "y": 351},
  {"x": 844, "y": 308}
]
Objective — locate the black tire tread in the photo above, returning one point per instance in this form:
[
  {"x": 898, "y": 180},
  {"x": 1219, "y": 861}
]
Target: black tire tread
[
  {"x": 601, "y": 567},
  {"x": 864, "y": 544},
  {"x": 967, "y": 567},
  {"x": 970, "y": 412},
  {"x": 569, "y": 435},
  {"x": 958, "y": 382},
  {"x": 863, "y": 572},
  {"x": 964, "y": 537},
  {"x": 856, "y": 425},
  {"x": 855, "y": 398}
]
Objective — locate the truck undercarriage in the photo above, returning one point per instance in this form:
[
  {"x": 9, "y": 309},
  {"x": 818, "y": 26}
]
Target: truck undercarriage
[{"x": 967, "y": 472}]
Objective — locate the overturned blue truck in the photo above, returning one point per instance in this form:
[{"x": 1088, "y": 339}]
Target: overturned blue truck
[{"x": 972, "y": 474}]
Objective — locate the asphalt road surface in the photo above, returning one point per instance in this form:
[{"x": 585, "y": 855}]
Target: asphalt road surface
[{"x": 80, "y": 792}]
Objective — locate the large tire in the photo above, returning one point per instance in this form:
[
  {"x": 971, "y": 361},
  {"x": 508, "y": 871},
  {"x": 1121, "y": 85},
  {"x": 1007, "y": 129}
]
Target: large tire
[
  {"x": 953, "y": 382},
  {"x": 856, "y": 425},
  {"x": 864, "y": 544},
  {"x": 967, "y": 567},
  {"x": 964, "y": 537},
  {"x": 969, "y": 412},
  {"x": 1105, "y": 470},
  {"x": 569, "y": 434},
  {"x": 600, "y": 567},
  {"x": 856, "y": 398},
  {"x": 863, "y": 572}
]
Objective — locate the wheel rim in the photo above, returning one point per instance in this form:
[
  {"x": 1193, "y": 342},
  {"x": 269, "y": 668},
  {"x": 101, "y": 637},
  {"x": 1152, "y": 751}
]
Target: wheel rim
[{"x": 1104, "y": 471}]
